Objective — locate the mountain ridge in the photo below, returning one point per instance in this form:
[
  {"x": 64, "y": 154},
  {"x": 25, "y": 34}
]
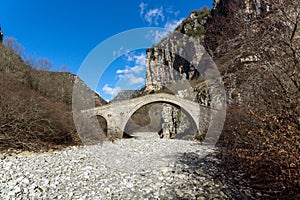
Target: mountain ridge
[{"x": 35, "y": 106}]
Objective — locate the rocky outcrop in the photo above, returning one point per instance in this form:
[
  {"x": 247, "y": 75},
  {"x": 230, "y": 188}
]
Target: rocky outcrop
[
  {"x": 194, "y": 25},
  {"x": 181, "y": 64},
  {"x": 169, "y": 62},
  {"x": 170, "y": 124},
  {"x": 177, "y": 56},
  {"x": 250, "y": 8}
]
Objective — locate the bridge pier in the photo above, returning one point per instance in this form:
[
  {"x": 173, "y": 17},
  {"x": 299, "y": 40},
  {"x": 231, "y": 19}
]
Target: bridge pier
[{"x": 113, "y": 129}]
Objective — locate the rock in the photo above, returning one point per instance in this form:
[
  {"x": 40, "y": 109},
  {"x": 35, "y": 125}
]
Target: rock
[
  {"x": 151, "y": 173},
  {"x": 179, "y": 193},
  {"x": 17, "y": 190},
  {"x": 166, "y": 169},
  {"x": 259, "y": 194},
  {"x": 2, "y": 157},
  {"x": 223, "y": 195},
  {"x": 26, "y": 181},
  {"x": 165, "y": 62},
  {"x": 201, "y": 198},
  {"x": 129, "y": 185},
  {"x": 148, "y": 189}
]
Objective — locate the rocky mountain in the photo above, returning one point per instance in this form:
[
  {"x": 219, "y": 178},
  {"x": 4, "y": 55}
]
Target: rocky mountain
[
  {"x": 124, "y": 95},
  {"x": 176, "y": 57},
  {"x": 181, "y": 65},
  {"x": 256, "y": 46}
]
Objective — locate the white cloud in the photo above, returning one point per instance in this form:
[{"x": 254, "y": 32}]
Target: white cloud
[
  {"x": 171, "y": 11},
  {"x": 132, "y": 79},
  {"x": 157, "y": 36},
  {"x": 129, "y": 57},
  {"x": 137, "y": 59},
  {"x": 153, "y": 16},
  {"x": 137, "y": 69},
  {"x": 111, "y": 91},
  {"x": 132, "y": 75},
  {"x": 140, "y": 59},
  {"x": 117, "y": 53},
  {"x": 123, "y": 71},
  {"x": 120, "y": 52},
  {"x": 142, "y": 8},
  {"x": 135, "y": 80},
  {"x": 170, "y": 26},
  {"x": 156, "y": 16},
  {"x": 130, "y": 70}
]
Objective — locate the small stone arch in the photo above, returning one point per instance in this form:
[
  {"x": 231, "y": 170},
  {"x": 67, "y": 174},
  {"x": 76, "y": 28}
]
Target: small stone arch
[{"x": 102, "y": 123}]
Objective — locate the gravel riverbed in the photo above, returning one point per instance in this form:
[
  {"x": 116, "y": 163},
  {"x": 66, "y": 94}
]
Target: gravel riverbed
[{"x": 125, "y": 169}]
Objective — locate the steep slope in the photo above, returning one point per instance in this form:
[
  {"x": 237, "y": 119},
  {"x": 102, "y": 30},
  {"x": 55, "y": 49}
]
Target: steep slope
[
  {"x": 55, "y": 85},
  {"x": 256, "y": 46},
  {"x": 260, "y": 66},
  {"x": 35, "y": 106},
  {"x": 175, "y": 57}
]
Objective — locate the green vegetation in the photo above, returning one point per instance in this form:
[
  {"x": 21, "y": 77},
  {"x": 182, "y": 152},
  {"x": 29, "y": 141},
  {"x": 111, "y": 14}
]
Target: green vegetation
[
  {"x": 200, "y": 30},
  {"x": 201, "y": 17}
]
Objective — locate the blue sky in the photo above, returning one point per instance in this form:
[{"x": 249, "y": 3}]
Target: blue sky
[{"x": 66, "y": 31}]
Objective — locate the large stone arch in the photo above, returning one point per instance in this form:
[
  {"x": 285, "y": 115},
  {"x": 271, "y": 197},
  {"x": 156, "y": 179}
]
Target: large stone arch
[
  {"x": 158, "y": 127},
  {"x": 170, "y": 99}
]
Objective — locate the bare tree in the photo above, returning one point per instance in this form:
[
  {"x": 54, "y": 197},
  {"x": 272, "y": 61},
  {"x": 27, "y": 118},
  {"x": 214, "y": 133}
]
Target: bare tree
[
  {"x": 30, "y": 121},
  {"x": 261, "y": 61},
  {"x": 64, "y": 68},
  {"x": 274, "y": 40},
  {"x": 43, "y": 64},
  {"x": 14, "y": 45}
]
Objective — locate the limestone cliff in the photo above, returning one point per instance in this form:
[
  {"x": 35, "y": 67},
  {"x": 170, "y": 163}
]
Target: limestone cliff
[
  {"x": 251, "y": 8},
  {"x": 170, "y": 60},
  {"x": 181, "y": 55},
  {"x": 181, "y": 63}
]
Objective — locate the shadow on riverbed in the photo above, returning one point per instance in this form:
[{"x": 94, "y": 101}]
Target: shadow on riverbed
[{"x": 209, "y": 179}]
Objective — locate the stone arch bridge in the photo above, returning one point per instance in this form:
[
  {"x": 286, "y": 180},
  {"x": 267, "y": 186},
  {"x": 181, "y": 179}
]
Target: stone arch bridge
[{"x": 117, "y": 114}]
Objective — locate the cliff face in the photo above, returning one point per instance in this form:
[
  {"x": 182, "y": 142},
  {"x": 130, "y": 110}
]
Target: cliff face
[
  {"x": 168, "y": 62},
  {"x": 177, "y": 56},
  {"x": 181, "y": 64},
  {"x": 251, "y": 8},
  {"x": 256, "y": 46},
  {"x": 222, "y": 32}
]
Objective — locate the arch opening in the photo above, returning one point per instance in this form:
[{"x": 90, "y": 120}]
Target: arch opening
[
  {"x": 160, "y": 119},
  {"x": 103, "y": 124}
]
